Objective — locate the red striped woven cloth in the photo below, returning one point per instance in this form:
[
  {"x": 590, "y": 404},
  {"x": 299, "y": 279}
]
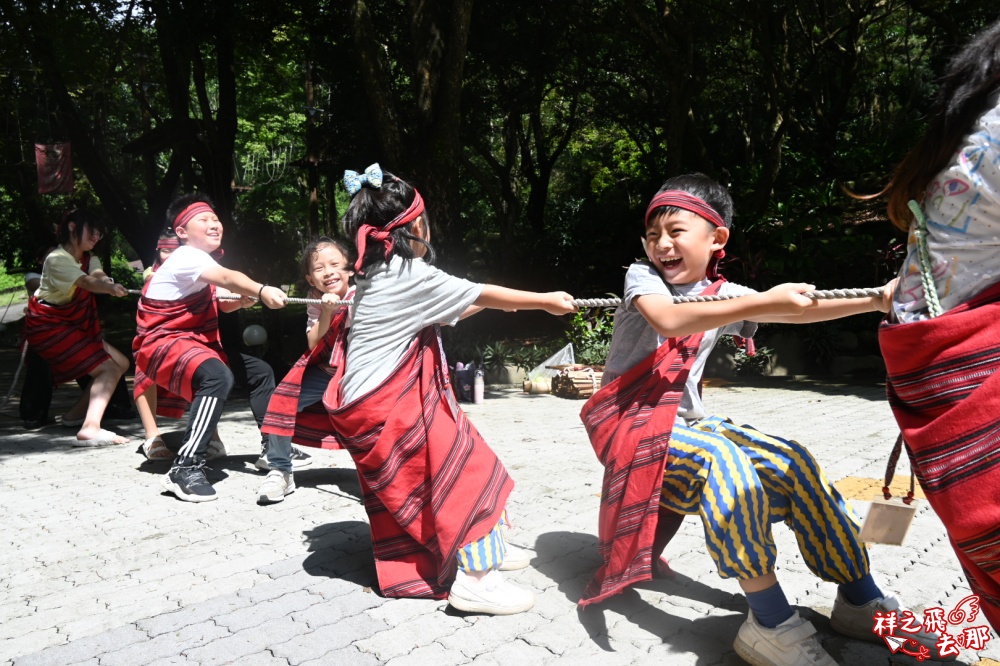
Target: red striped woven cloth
[
  {"x": 67, "y": 336},
  {"x": 310, "y": 427},
  {"x": 430, "y": 483},
  {"x": 172, "y": 339},
  {"x": 629, "y": 422},
  {"x": 944, "y": 390}
]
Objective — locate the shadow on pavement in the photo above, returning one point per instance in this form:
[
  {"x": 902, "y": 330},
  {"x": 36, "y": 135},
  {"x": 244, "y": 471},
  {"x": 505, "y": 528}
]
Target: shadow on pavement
[
  {"x": 342, "y": 550},
  {"x": 868, "y": 389}
]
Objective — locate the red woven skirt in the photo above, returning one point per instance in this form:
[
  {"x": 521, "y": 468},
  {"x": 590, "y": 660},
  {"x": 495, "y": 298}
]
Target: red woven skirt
[
  {"x": 431, "y": 484},
  {"x": 944, "y": 390},
  {"x": 172, "y": 339},
  {"x": 67, "y": 336}
]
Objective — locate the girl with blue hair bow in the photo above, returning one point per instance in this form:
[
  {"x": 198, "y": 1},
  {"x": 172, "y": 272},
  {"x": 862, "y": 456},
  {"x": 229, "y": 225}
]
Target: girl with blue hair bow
[{"x": 434, "y": 491}]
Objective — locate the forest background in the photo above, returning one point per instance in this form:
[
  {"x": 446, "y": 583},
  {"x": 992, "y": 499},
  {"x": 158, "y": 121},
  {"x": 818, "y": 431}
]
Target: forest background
[{"x": 537, "y": 131}]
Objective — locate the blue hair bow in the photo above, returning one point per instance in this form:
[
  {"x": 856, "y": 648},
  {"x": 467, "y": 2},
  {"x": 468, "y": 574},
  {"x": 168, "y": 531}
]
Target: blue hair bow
[{"x": 354, "y": 180}]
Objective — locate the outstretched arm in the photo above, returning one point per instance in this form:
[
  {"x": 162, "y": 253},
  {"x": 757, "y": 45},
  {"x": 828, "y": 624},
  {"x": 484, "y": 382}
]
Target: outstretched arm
[
  {"x": 824, "y": 310},
  {"x": 673, "y": 320},
  {"x": 502, "y": 298},
  {"x": 238, "y": 283},
  {"x": 99, "y": 283}
]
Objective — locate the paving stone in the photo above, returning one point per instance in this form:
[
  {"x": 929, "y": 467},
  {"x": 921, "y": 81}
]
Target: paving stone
[
  {"x": 31, "y": 643},
  {"x": 349, "y": 656},
  {"x": 428, "y": 655},
  {"x": 294, "y": 581},
  {"x": 321, "y": 614},
  {"x": 266, "y": 611},
  {"x": 246, "y": 643},
  {"x": 191, "y": 615},
  {"x": 165, "y": 645},
  {"x": 402, "y": 638},
  {"x": 327, "y": 639},
  {"x": 85, "y": 648}
]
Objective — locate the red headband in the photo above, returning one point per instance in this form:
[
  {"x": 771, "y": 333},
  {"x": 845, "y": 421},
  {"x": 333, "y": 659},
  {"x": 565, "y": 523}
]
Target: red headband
[
  {"x": 383, "y": 235},
  {"x": 684, "y": 201},
  {"x": 689, "y": 202},
  {"x": 168, "y": 243},
  {"x": 190, "y": 212}
]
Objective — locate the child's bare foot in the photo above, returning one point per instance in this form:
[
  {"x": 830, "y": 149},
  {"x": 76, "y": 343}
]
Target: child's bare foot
[{"x": 94, "y": 437}]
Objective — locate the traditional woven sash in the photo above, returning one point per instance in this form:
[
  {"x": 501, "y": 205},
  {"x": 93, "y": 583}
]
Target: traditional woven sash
[
  {"x": 629, "y": 422},
  {"x": 310, "y": 427},
  {"x": 944, "y": 390},
  {"x": 430, "y": 482},
  {"x": 67, "y": 336},
  {"x": 172, "y": 339}
]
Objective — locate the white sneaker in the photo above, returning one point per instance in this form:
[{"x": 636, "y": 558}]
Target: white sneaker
[
  {"x": 276, "y": 485},
  {"x": 859, "y": 621},
  {"x": 791, "y": 643},
  {"x": 515, "y": 558},
  {"x": 491, "y": 595}
]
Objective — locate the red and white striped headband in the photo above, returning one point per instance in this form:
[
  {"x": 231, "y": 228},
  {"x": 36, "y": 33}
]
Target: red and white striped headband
[
  {"x": 190, "y": 213},
  {"x": 168, "y": 243},
  {"x": 684, "y": 201}
]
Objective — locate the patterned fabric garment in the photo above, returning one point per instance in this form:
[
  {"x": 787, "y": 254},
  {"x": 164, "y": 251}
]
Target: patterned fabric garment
[
  {"x": 172, "y": 339},
  {"x": 310, "y": 427},
  {"x": 485, "y": 553},
  {"x": 430, "y": 483},
  {"x": 739, "y": 481},
  {"x": 629, "y": 423},
  {"x": 962, "y": 206},
  {"x": 944, "y": 389},
  {"x": 68, "y": 336}
]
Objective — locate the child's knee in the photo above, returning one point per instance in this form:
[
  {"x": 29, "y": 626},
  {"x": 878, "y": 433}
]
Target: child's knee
[{"x": 214, "y": 378}]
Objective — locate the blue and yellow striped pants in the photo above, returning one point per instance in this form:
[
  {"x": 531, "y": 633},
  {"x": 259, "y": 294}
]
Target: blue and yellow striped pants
[
  {"x": 739, "y": 481},
  {"x": 485, "y": 553}
]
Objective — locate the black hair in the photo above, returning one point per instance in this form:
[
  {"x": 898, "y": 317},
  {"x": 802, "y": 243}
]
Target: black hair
[
  {"x": 967, "y": 89},
  {"x": 378, "y": 207},
  {"x": 317, "y": 244},
  {"x": 178, "y": 205},
  {"x": 81, "y": 217},
  {"x": 707, "y": 189}
]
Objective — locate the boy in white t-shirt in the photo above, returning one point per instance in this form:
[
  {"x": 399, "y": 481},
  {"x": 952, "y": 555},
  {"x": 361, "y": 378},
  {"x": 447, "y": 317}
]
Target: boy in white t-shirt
[{"x": 177, "y": 343}]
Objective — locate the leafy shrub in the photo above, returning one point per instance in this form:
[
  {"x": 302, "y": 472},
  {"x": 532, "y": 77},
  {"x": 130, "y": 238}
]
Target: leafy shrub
[{"x": 590, "y": 333}]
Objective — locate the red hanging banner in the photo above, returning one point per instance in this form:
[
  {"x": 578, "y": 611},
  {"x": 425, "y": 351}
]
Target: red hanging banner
[{"x": 55, "y": 168}]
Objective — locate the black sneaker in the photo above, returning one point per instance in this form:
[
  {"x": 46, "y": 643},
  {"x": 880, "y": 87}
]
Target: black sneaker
[{"x": 189, "y": 484}]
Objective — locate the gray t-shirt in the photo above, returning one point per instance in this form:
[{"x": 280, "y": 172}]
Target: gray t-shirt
[
  {"x": 391, "y": 306},
  {"x": 633, "y": 339}
]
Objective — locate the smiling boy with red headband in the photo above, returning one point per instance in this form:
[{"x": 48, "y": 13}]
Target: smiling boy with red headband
[
  {"x": 177, "y": 343},
  {"x": 665, "y": 458}
]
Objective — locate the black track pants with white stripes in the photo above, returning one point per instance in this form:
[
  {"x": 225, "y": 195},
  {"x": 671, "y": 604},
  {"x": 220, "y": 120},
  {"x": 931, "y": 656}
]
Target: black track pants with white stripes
[{"x": 212, "y": 381}]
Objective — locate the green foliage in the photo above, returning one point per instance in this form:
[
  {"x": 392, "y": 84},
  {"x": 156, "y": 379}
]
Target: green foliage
[
  {"x": 590, "y": 332},
  {"x": 497, "y": 354},
  {"x": 123, "y": 273},
  {"x": 10, "y": 282}
]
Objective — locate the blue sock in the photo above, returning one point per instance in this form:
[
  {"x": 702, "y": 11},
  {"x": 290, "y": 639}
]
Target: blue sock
[
  {"x": 860, "y": 592},
  {"x": 770, "y": 606}
]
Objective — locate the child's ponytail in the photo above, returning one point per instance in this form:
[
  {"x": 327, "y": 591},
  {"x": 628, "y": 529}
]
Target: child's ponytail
[{"x": 378, "y": 214}]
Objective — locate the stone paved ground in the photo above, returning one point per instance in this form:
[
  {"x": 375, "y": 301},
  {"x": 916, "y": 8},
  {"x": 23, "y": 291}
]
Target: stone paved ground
[{"x": 99, "y": 567}]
